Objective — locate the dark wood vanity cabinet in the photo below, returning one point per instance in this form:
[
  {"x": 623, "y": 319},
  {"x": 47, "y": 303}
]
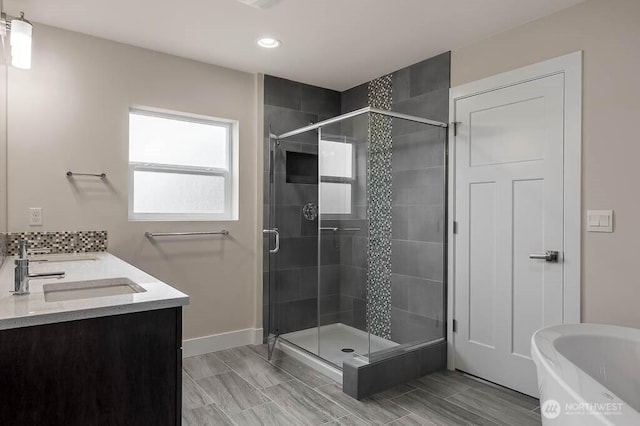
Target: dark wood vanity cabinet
[{"x": 114, "y": 370}]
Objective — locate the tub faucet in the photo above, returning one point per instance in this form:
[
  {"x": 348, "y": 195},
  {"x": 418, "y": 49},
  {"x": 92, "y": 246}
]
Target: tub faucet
[{"x": 22, "y": 275}]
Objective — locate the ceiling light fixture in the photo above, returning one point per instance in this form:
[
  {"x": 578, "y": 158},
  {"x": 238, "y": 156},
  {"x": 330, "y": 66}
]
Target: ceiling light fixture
[
  {"x": 268, "y": 42},
  {"x": 260, "y": 4},
  {"x": 20, "y": 31}
]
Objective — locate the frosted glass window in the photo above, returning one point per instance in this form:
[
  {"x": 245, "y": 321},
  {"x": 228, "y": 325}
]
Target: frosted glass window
[
  {"x": 180, "y": 167},
  {"x": 164, "y": 140},
  {"x": 176, "y": 193},
  {"x": 336, "y": 159},
  {"x": 335, "y": 198}
]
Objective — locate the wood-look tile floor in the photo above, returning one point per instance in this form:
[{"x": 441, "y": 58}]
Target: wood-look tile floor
[{"x": 239, "y": 387}]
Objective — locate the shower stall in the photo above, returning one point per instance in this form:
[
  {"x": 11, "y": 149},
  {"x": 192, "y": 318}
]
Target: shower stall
[{"x": 355, "y": 238}]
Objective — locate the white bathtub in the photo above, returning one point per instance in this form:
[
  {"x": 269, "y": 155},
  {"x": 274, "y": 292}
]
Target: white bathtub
[{"x": 588, "y": 374}]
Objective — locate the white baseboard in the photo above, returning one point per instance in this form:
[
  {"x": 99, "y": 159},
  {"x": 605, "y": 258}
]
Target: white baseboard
[{"x": 219, "y": 342}]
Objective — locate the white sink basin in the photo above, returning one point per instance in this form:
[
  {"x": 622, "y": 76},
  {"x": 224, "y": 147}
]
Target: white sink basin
[{"x": 58, "y": 292}]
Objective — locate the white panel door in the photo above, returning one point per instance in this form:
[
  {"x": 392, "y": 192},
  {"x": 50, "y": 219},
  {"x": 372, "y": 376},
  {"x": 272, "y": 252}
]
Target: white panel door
[{"x": 509, "y": 204}]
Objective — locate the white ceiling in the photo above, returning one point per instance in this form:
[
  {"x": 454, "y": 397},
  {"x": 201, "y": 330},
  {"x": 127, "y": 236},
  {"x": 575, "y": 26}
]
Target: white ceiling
[{"x": 330, "y": 43}]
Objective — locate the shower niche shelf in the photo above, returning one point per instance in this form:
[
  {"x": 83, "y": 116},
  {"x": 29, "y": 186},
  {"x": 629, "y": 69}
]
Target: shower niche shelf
[{"x": 301, "y": 167}]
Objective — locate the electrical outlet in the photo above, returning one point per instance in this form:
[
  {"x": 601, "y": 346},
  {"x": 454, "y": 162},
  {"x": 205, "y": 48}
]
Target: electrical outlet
[{"x": 35, "y": 216}]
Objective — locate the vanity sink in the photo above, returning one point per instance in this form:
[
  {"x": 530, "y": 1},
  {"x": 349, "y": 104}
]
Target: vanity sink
[{"x": 58, "y": 292}]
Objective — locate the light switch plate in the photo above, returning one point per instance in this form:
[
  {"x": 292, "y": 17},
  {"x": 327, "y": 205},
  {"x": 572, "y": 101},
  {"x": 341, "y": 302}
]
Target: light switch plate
[{"x": 600, "y": 220}]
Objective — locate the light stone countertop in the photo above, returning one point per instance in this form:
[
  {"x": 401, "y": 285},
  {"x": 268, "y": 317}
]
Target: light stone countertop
[{"x": 32, "y": 309}]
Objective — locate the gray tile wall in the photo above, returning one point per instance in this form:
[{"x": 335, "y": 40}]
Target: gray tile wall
[
  {"x": 293, "y": 287},
  {"x": 418, "y": 208},
  {"x": 363, "y": 380},
  {"x": 418, "y": 164}
]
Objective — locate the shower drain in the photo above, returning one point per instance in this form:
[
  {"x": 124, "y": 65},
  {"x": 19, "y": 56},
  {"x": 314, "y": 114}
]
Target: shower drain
[{"x": 347, "y": 350}]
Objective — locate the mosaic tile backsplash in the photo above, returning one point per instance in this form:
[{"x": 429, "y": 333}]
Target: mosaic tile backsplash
[{"x": 59, "y": 242}]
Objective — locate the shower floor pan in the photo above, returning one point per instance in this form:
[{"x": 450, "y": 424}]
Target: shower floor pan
[{"x": 338, "y": 342}]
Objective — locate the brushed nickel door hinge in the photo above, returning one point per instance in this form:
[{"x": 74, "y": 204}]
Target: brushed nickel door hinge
[
  {"x": 455, "y": 227},
  {"x": 454, "y": 125}
]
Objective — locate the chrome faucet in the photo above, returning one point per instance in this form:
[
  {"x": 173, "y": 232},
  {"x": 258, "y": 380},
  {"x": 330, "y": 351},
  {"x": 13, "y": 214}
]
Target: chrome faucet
[{"x": 22, "y": 275}]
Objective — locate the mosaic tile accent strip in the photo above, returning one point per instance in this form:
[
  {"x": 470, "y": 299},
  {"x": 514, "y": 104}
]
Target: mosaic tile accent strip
[
  {"x": 60, "y": 242},
  {"x": 379, "y": 194}
]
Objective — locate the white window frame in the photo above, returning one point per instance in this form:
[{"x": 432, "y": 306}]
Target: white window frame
[{"x": 229, "y": 174}]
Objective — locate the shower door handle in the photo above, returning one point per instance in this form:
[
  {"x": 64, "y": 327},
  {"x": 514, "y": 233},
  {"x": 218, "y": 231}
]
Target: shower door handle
[{"x": 277, "y": 234}]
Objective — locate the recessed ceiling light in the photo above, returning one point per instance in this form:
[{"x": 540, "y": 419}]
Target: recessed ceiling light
[{"x": 269, "y": 43}]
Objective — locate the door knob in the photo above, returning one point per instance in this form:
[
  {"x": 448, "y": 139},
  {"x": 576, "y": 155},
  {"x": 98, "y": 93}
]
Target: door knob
[{"x": 549, "y": 256}]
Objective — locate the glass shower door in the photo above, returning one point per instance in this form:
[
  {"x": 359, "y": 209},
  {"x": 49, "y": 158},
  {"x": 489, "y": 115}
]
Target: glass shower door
[
  {"x": 359, "y": 207},
  {"x": 382, "y": 234},
  {"x": 342, "y": 242},
  {"x": 407, "y": 213},
  {"x": 269, "y": 247},
  {"x": 291, "y": 216}
]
